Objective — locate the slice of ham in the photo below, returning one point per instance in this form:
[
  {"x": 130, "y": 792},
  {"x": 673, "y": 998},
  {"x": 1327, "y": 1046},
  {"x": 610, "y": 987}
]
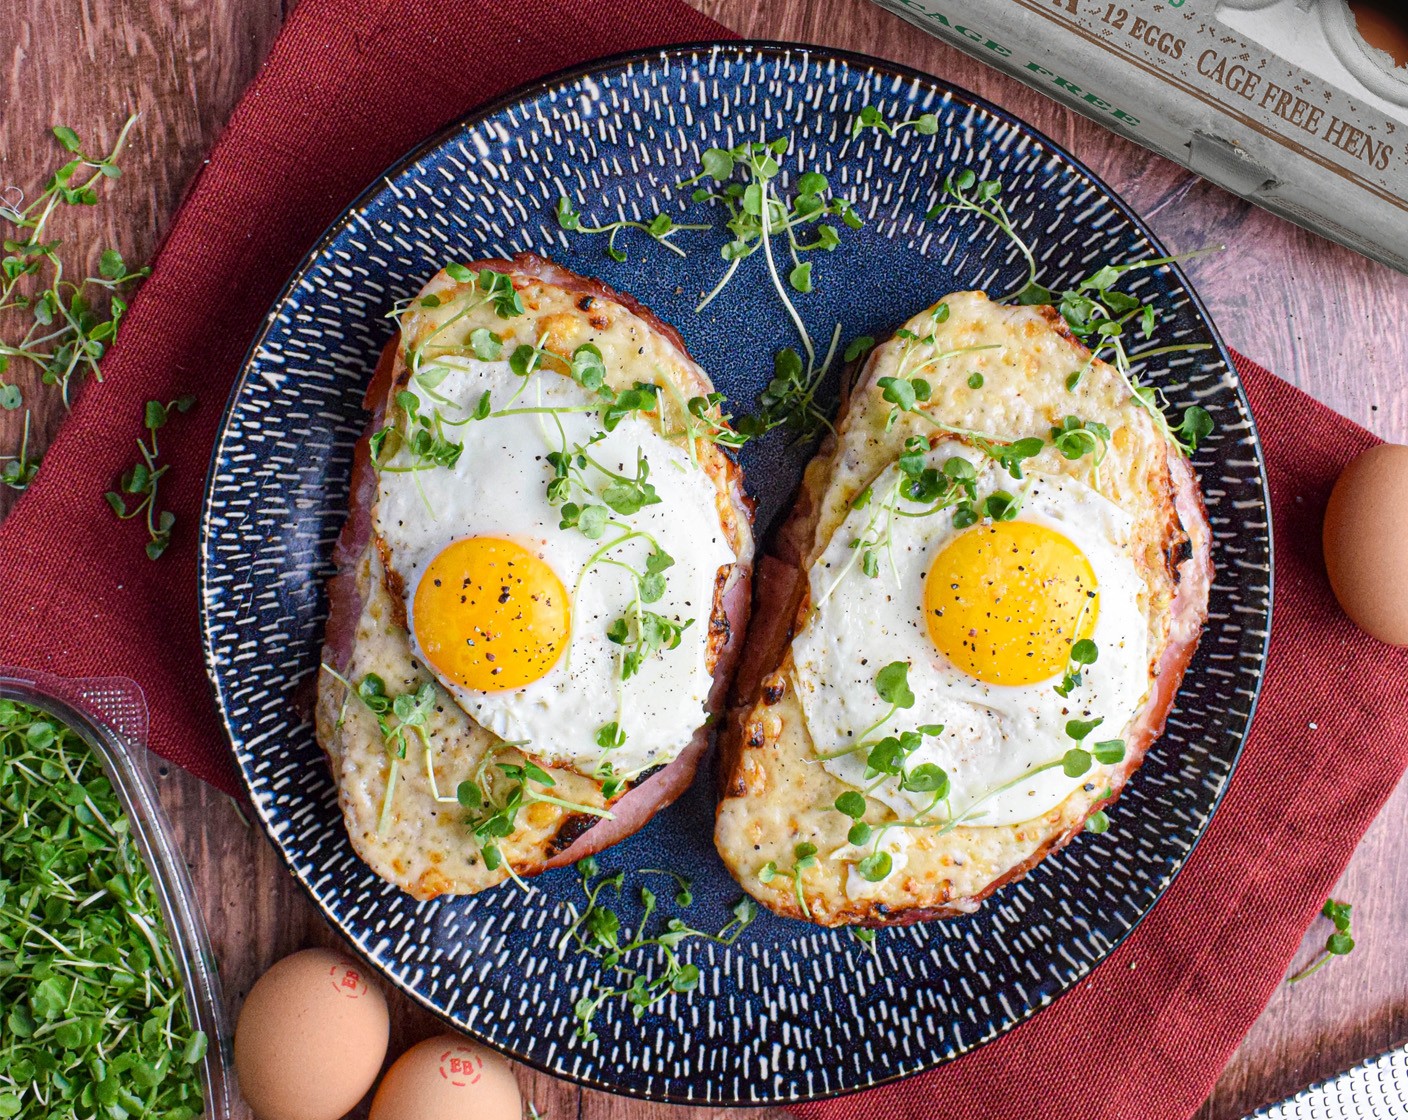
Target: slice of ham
[
  {"x": 579, "y": 835},
  {"x": 344, "y": 600}
]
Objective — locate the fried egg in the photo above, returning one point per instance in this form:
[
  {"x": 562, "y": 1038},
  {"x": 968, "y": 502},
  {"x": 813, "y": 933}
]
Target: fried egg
[
  {"x": 510, "y": 610},
  {"x": 985, "y": 617}
]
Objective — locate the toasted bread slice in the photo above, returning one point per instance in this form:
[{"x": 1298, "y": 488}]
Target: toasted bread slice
[
  {"x": 776, "y": 797},
  {"x": 407, "y": 836}
]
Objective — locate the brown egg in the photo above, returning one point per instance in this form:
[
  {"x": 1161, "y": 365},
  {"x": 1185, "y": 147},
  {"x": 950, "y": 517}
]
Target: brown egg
[
  {"x": 311, "y": 1038},
  {"x": 1366, "y": 542},
  {"x": 448, "y": 1078},
  {"x": 1382, "y": 24}
]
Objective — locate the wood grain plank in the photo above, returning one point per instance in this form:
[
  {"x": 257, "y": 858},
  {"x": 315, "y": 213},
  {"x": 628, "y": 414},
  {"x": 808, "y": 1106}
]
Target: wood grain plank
[
  {"x": 89, "y": 64},
  {"x": 1319, "y": 315}
]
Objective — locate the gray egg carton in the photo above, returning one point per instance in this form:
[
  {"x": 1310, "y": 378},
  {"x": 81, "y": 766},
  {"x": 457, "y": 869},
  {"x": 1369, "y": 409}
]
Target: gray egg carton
[{"x": 1279, "y": 101}]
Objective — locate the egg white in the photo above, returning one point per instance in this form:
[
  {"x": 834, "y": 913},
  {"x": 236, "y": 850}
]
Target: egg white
[
  {"x": 498, "y": 488},
  {"x": 992, "y": 734}
]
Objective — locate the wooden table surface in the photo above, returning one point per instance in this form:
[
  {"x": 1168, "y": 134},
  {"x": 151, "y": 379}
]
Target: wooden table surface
[{"x": 1326, "y": 319}]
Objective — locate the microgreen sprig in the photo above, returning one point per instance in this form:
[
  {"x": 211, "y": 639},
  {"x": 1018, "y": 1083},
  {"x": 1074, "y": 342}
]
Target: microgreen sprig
[
  {"x": 803, "y": 857},
  {"x": 930, "y": 488},
  {"x": 708, "y": 421},
  {"x": 19, "y": 469},
  {"x": 1076, "y": 438},
  {"x": 396, "y": 717},
  {"x": 1074, "y": 763},
  {"x": 1083, "y": 653},
  {"x": 641, "y": 633},
  {"x": 660, "y": 227},
  {"x": 495, "y": 800},
  {"x": 639, "y": 976},
  {"x": 1098, "y": 314},
  {"x": 926, "y": 124},
  {"x": 140, "y": 480},
  {"x": 69, "y": 332},
  {"x": 756, "y": 214},
  {"x": 886, "y": 757},
  {"x": 966, "y": 193},
  {"x": 789, "y": 399},
  {"x": 1340, "y": 943}
]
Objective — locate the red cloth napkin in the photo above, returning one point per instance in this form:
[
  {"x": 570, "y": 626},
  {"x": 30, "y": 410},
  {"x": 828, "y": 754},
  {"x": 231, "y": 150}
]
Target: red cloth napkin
[
  {"x": 1145, "y": 1037},
  {"x": 349, "y": 86}
]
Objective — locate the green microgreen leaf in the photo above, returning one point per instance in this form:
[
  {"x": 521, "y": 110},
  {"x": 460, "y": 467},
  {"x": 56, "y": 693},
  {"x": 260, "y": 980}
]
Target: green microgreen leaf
[
  {"x": 1078, "y": 729},
  {"x": 875, "y": 867},
  {"x": 927, "y": 778},
  {"x": 1340, "y": 942},
  {"x": 859, "y": 346},
  {"x": 892, "y": 685},
  {"x": 487, "y": 346},
  {"x": 1108, "y": 752},
  {"x": 1196, "y": 426}
]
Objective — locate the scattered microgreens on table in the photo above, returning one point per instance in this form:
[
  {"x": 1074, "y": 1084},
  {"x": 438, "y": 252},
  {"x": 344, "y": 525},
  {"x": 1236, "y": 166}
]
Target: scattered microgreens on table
[
  {"x": 95, "y": 1021},
  {"x": 1339, "y": 944},
  {"x": 19, "y": 469},
  {"x": 642, "y": 982},
  {"x": 139, "y": 482},
  {"x": 69, "y": 331}
]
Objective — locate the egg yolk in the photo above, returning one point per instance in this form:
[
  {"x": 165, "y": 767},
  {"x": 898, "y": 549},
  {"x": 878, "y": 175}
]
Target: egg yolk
[
  {"x": 1006, "y": 601},
  {"x": 491, "y": 615}
]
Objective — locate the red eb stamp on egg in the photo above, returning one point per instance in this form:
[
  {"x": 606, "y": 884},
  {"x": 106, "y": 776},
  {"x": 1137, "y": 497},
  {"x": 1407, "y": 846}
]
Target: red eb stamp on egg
[
  {"x": 347, "y": 982},
  {"x": 461, "y": 1066}
]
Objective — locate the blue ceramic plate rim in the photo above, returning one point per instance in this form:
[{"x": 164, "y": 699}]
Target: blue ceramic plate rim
[{"x": 676, "y": 53}]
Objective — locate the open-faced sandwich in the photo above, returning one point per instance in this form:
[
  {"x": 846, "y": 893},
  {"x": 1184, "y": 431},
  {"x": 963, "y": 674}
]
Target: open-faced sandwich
[
  {"x": 541, "y": 585},
  {"x": 969, "y": 630}
]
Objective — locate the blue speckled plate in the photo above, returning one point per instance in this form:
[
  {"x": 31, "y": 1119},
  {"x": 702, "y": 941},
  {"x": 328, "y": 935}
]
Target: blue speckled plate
[{"x": 790, "y": 1012}]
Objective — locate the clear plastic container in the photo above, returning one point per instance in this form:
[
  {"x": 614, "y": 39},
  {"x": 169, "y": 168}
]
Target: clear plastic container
[{"x": 110, "y": 715}]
